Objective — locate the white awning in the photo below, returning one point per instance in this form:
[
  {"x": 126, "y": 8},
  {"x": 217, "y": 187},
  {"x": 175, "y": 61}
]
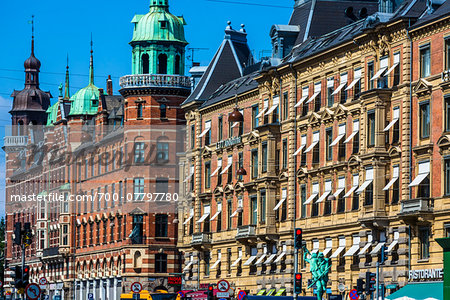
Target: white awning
[
  {"x": 275, "y": 102},
  {"x": 396, "y": 63},
  {"x": 302, "y": 145},
  {"x": 328, "y": 246},
  {"x": 327, "y": 191},
  {"x": 240, "y": 204},
  {"x": 207, "y": 128},
  {"x": 355, "y": 185},
  {"x": 250, "y": 260},
  {"x": 377, "y": 248},
  {"x": 383, "y": 68},
  {"x": 315, "y": 141},
  {"x": 317, "y": 88},
  {"x": 367, "y": 181},
  {"x": 343, "y": 82},
  {"x": 283, "y": 198},
  {"x": 357, "y": 77},
  {"x": 330, "y": 82},
  {"x": 394, "y": 178},
  {"x": 378, "y": 74},
  {"x": 265, "y": 107},
  {"x": 206, "y": 212},
  {"x": 261, "y": 258},
  {"x": 367, "y": 245},
  {"x": 341, "y": 187},
  {"x": 235, "y": 124},
  {"x": 236, "y": 262},
  {"x": 188, "y": 266},
  {"x": 191, "y": 173},
  {"x": 354, "y": 247},
  {"x": 270, "y": 259},
  {"x": 341, "y": 134},
  {"x": 313, "y": 97},
  {"x": 282, "y": 254},
  {"x": 219, "y": 210},
  {"x": 424, "y": 171},
  {"x": 191, "y": 215},
  {"x": 230, "y": 162},
  {"x": 340, "y": 249},
  {"x": 219, "y": 165},
  {"x": 354, "y": 132},
  {"x": 315, "y": 192},
  {"x": 305, "y": 92},
  {"x": 395, "y": 117},
  {"x": 394, "y": 242},
  {"x": 315, "y": 246},
  {"x": 219, "y": 258}
]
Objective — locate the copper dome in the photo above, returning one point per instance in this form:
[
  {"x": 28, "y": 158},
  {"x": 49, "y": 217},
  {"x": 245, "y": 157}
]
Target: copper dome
[{"x": 32, "y": 62}]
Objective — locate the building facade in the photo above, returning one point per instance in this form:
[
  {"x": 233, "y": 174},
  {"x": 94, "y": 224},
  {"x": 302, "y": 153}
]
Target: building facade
[
  {"x": 98, "y": 162},
  {"x": 343, "y": 137}
]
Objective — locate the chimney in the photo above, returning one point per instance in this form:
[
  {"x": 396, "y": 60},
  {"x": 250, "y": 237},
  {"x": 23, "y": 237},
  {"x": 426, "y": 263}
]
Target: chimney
[
  {"x": 109, "y": 86},
  {"x": 196, "y": 64}
]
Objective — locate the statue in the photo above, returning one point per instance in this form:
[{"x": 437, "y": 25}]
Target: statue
[
  {"x": 60, "y": 88},
  {"x": 319, "y": 266}
]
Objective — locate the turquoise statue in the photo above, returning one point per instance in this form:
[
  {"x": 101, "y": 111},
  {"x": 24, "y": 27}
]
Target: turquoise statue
[{"x": 319, "y": 266}]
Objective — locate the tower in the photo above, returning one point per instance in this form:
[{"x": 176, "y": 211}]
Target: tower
[{"x": 158, "y": 41}]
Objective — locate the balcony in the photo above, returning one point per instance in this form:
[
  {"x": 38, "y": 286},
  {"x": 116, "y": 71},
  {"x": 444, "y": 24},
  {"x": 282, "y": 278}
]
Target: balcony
[
  {"x": 419, "y": 209},
  {"x": 445, "y": 76},
  {"x": 51, "y": 254},
  {"x": 155, "y": 81},
  {"x": 201, "y": 239},
  {"x": 15, "y": 141},
  {"x": 246, "y": 233}
]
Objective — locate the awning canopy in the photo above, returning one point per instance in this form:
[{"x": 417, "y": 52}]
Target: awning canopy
[
  {"x": 340, "y": 248},
  {"x": 283, "y": 198},
  {"x": 367, "y": 181},
  {"x": 354, "y": 132},
  {"x": 206, "y": 212},
  {"x": 395, "y": 117},
  {"x": 219, "y": 210},
  {"x": 230, "y": 162},
  {"x": 357, "y": 76},
  {"x": 317, "y": 88},
  {"x": 377, "y": 248},
  {"x": 328, "y": 247},
  {"x": 424, "y": 171},
  {"x": 354, "y": 248},
  {"x": 191, "y": 215},
  {"x": 394, "y": 178},
  {"x": 315, "y": 192},
  {"x": 315, "y": 246},
  {"x": 250, "y": 260},
  {"x": 302, "y": 145},
  {"x": 355, "y": 184},
  {"x": 341, "y": 187},
  {"x": 340, "y": 135},
  {"x": 327, "y": 191},
  {"x": 341, "y": 85},
  {"x": 207, "y": 128},
  {"x": 419, "y": 291},
  {"x": 219, "y": 258},
  {"x": 315, "y": 141},
  {"x": 305, "y": 92},
  {"x": 275, "y": 102}
]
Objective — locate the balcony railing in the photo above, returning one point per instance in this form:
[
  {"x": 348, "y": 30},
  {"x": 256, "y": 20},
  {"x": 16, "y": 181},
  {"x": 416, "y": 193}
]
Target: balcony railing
[
  {"x": 244, "y": 232},
  {"x": 201, "y": 238},
  {"x": 14, "y": 141},
  {"x": 445, "y": 75},
  {"x": 154, "y": 80},
  {"x": 417, "y": 205},
  {"x": 52, "y": 251}
]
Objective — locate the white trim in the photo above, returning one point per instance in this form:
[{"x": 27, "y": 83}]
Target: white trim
[{"x": 238, "y": 63}]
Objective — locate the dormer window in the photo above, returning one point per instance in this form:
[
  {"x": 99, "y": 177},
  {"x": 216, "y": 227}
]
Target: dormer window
[{"x": 163, "y": 24}]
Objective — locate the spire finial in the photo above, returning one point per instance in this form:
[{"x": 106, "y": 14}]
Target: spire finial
[
  {"x": 32, "y": 34},
  {"x": 66, "y": 88},
  {"x": 91, "y": 65}
]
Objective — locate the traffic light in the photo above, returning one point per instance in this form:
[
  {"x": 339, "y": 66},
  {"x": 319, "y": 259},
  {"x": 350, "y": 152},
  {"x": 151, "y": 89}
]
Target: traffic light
[
  {"x": 26, "y": 276},
  {"x": 371, "y": 282},
  {"x": 27, "y": 235},
  {"x": 210, "y": 292},
  {"x": 360, "y": 286},
  {"x": 18, "y": 233},
  {"x": 17, "y": 277},
  {"x": 384, "y": 254},
  {"x": 298, "y": 238},
  {"x": 297, "y": 283}
]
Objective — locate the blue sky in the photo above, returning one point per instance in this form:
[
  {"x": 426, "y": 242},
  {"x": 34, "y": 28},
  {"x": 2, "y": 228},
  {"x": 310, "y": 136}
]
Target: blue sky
[{"x": 64, "y": 28}]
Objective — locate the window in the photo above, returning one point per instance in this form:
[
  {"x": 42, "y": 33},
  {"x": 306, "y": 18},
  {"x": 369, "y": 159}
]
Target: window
[
  {"x": 425, "y": 61},
  {"x": 383, "y": 78},
  {"x": 255, "y": 119},
  {"x": 163, "y": 24},
  {"x": 162, "y": 185},
  {"x": 329, "y": 140},
  {"x": 263, "y": 206},
  {"x": 207, "y": 175},
  {"x": 138, "y": 188},
  {"x": 139, "y": 111},
  {"x": 355, "y": 133},
  {"x": 230, "y": 170},
  {"x": 139, "y": 152},
  {"x": 253, "y": 210},
  {"x": 368, "y": 197},
  {"x": 424, "y": 116},
  {"x": 264, "y": 157},
  {"x": 240, "y": 164},
  {"x": 447, "y": 230},
  {"x": 162, "y": 152},
  {"x": 162, "y": 64},
  {"x": 285, "y": 106},
  {"x": 318, "y": 98},
  {"x": 105, "y": 231},
  {"x": 424, "y": 242},
  {"x": 207, "y": 132},
  {"x": 447, "y": 53},
  {"x": 285, "y": 155},
  {"x": 98, "y": 233},
  {"x": 160, "y": 263},
  {"x": 145, "y": 64},
  {"x": 192, "y": 136},
  {"x": 303, "y": 156},
  {"x": 447, "y": 113},
  {"x": 229, "y": 260},
  {"x": 136, "y": 235},
  {"x": 219, "y": 217},
  {"x": 357, "y": 84},
  {"x": 161, "y": 225},
  {"x": 177, "y": 65},
  {"x": 396, "y": 192},
  {"x": 220, "y": 129},
  {"x": 340, "y": 197},
  {"x": 119, "y": 229},
  {"x": 229, "y": 214},
  {"x": 207, "y": 260},
  {"x": 396, "y": 71},
  {"x": 344, "y": 88},
  {"x": 330, "y": 90},
  {"x": 316, "y": 149},
  {"x": 327, "y": 208},
  {"x": 163, "y": 111},
  {"x": 371, "y": 128},
  {"x": 370, "y": 74}
]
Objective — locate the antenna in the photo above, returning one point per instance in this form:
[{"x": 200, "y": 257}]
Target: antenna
[{"x": 190, "y": 57}]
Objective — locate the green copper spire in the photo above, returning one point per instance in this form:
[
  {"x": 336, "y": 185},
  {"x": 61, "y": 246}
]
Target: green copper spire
[
  {"x": 159, "y": 4},
  {"x": 67, "y": 92},
  {"x": 91, "y": 65}
]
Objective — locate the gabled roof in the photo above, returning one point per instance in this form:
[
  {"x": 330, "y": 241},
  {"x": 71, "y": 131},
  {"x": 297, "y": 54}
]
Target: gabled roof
[
  {"x": 227, "y": 64},
  {"x": 440, "y": 12}
]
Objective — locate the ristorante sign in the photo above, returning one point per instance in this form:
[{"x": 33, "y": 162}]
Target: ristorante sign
[
  {"x": 426, "y": 274},
  {"x": 229, "y": 142}
]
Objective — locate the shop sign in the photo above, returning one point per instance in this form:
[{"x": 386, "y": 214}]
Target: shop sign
[
  {"x": 426, "y": 274},
  {"x": 174, "y": 280},
  {"x": 229, "y": 142}
]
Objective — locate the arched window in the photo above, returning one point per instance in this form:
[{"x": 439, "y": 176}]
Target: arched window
[
  {"x": 137, "y": 260},
  {"x": 145, "y": 64},
  {"x": 163, "y": 111},
  {"x": 139, "y": 110},
  {"x": 162, "y": 64},
  {"x": 177, "y": 65},
  {"x": 20, "y": 129}
]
